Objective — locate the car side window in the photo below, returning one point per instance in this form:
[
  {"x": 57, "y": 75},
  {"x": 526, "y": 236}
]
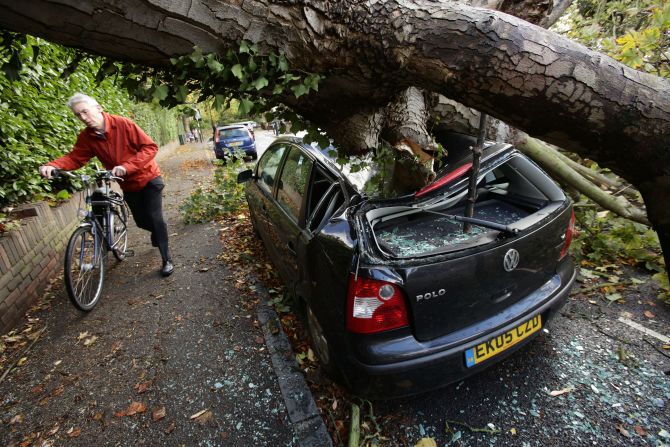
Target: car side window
[
  {"x": 268, "y": 165},
  {"x": 294, "y": 179},
  {"x": 325, "y": 196}
]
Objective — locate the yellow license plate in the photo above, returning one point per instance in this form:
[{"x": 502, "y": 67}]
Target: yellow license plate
[
  {"x": 236, "y": 143},
  {"x": 496, "y": 345}
]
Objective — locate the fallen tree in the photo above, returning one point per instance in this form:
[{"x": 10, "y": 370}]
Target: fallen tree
[{"x": 380, "y": 58}]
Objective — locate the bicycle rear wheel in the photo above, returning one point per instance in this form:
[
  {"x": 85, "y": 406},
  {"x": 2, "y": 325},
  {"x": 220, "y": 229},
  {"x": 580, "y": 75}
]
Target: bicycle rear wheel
[
  {"x": 120, "y": 231},
  {"x": 84, "y": 268}
]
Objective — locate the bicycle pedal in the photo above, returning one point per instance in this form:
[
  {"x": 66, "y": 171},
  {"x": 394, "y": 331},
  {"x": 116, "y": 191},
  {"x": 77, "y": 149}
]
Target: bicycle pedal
[{"x": 130, "y": 253}]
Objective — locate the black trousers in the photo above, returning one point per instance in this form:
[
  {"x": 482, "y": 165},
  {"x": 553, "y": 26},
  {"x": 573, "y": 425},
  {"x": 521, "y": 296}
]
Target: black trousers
[{"x": 146, "y": 205}]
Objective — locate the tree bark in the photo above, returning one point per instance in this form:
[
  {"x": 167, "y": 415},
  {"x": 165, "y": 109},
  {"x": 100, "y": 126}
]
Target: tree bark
[
  {"x": 528, "y": 77},
  {"x": 370, "y": 52}
]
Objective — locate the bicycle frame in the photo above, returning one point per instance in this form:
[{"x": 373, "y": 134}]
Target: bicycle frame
[
  {"x": 84, "y": 266},
  {"x": 90, "y": 219},
  {"x": 108, "y": 203}
]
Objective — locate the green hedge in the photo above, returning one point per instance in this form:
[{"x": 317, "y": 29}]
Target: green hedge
[{"x": 36, "y": 125}]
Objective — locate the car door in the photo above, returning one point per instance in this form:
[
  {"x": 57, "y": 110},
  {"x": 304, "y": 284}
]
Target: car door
[
  {"x": 286, "y": 217},
  {"x": 261, "y": 194}
]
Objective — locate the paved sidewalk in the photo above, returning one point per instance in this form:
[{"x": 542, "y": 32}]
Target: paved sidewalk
[{"x": 160, "y": 361}]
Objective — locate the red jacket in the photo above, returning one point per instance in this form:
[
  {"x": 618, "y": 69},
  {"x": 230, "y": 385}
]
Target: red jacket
[{"x": 124, "y": 144}]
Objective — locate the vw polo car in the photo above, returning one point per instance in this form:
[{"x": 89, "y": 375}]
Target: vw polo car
[
  {"x": 234, "y": 139},
  {"x": 399, "y": 299}
]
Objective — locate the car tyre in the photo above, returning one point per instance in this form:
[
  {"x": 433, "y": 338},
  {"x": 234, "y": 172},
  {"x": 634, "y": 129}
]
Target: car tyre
[{"x": 320, "y": 346}]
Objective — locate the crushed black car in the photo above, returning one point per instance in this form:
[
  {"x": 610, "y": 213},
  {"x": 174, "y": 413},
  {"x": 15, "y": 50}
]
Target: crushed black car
[{"x": 399, "y": 300}]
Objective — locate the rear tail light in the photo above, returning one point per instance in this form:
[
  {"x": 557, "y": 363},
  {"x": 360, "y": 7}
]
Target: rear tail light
[
  {"x": 250, "y": 134},
  {"x": 569, "y": 233},
  {"x": 216, "y": 136},
  {"x": 374, "y": 306}
]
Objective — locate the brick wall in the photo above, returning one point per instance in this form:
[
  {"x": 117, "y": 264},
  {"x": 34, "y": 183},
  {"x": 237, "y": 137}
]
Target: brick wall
[{"x": 31, "y": 255}]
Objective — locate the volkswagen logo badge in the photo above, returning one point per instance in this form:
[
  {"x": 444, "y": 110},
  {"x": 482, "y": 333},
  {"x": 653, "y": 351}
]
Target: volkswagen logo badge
[{"x": 511, "y": 260}]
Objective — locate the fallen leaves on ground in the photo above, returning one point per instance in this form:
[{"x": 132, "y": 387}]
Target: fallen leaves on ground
[
  {"x": 649, "y": 314},
  {"x": 198, "y": 414},
  {"x": 90, "y": 341},
  {"x": 83, "y": 335},
  {"x": 73, "y": 432},
  {"x": 58, "y": 390},
  {"x": 134, "y": 408},
  {"x": 158, "y": 413},
  {"x": 190, "y": 165},
  {"x": 142, "y": 387},
  {"x": 16, "y": 419},
  {"x": 622, "y": 430},
  {"x": 203, "y": 417},
  {"x": 561, "y": 391},
  {"x": 640, "y": 431},
  {"x": 170, "y": 428},
  {"x": 37, "y": 389}
]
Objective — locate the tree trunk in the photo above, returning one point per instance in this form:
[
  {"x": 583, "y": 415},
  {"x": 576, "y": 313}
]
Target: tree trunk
[
  {"x": 371, "y": 52},
  {"x": 526, "y": 76},
  {"x": 655, "y": 192}
]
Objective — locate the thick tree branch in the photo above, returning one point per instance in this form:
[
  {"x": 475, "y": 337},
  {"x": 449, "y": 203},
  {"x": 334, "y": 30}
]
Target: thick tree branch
[
  {"x": 552, "y": 163},
  {"x": 526, "y": 76}
]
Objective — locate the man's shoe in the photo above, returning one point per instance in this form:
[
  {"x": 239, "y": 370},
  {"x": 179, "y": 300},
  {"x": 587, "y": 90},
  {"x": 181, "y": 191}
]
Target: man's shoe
[{"x": 167, "y": 269}]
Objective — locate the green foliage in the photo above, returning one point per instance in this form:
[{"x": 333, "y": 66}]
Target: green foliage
[
  {"x": 283, "y": 303},
  {"x": 244, "y": 74},
  {"x": 7, "y": 224},
  {"x": 662, "y": 279},
  {"x": 241, "y": 79},
  {"x": 637, "y": 33},
  {"x": 35, "y": 124},
  {"x": 606, "y": 239},
  {"x": 223, "y": 195}
]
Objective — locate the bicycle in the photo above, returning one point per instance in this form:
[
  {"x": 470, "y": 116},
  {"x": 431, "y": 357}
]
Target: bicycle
[{"x": 103, "y": 228}]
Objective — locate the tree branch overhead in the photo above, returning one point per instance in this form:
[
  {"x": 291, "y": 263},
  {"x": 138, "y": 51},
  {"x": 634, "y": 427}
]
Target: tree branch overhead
[{"x": 544, "y": 84}]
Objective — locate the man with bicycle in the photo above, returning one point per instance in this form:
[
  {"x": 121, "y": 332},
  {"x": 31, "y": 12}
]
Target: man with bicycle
[{"x": 124, "y": 148}]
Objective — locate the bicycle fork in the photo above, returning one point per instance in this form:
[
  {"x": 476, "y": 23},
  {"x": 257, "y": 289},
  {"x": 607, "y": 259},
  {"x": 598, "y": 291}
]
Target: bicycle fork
[{"x": 97, "y": 250}]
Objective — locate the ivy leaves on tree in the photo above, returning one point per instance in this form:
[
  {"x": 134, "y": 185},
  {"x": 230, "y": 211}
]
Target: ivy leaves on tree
[
  {"x": 35, "y": 124},
  {"x": 10, "y": 50},
  {"x": 635, "y": 33},
  {"x": 257, "y": 81}
]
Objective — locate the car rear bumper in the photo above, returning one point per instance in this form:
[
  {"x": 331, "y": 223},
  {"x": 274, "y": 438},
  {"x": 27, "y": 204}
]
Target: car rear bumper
[{"x": 395, "y": 366}]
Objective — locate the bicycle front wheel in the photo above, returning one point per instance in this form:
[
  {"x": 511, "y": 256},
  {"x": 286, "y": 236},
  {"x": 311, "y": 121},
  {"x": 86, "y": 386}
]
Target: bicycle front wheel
[
  {"x": 84, "y": 268},
  {"x": 120, "y": 231}
]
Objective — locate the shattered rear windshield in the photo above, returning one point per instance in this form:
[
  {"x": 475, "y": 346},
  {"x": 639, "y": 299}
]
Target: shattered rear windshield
[{"x": 425, "y": 233}]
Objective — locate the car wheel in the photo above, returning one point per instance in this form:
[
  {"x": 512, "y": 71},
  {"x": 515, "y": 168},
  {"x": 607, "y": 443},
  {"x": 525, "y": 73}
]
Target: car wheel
[{"x": 320, "y": 346}]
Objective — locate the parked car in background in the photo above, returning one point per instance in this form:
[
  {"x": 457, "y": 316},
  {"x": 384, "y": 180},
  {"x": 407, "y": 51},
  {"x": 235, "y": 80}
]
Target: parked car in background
[
  {"x": 251, "y": 125},
  {"x": 398, "y": 299},
  {"x": 234, "y": 139}
]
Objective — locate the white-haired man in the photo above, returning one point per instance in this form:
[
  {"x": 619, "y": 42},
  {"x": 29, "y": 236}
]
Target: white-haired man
[{"x": 124, "y": 148}]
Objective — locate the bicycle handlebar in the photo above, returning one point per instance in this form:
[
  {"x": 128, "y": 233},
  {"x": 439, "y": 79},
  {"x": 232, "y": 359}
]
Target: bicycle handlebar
[{"x": 100, "y": 173}]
